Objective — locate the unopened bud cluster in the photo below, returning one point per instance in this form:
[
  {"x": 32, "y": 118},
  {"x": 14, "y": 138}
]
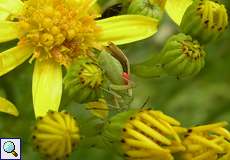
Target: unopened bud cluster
[
  {"x": 56, "y": 135},
  {"x": 182, "y": 56},
  {"x": 205, "y": 20},
  {"x": 151, "y": 8},
  {"x": 146, "y": 133},
  {"x": 83, "y": 80}
]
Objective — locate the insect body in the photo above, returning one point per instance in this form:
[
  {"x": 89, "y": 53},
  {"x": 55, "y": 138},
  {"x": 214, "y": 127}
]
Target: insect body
[{"x": 117, "y": 69}]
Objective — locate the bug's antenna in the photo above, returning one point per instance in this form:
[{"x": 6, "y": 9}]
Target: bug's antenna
[{"x": 146, "y": 101}]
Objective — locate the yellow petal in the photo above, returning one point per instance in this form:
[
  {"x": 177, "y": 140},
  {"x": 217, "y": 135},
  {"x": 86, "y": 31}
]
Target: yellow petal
[
  {"x": 126, "y": 28},
  {"x": 3, "y": 14},
  {"x": 7, "y": 107},
  {"x": 11, "y": 6},
  {"x": 13, "y": 57},
  {"x": 177, "y": 8},
  {"x": 47, "y": 86},
  {"x": 8, "y": 31}
]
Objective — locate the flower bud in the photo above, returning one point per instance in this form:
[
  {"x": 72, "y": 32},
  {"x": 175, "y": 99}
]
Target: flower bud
[
  {"x": 205, "y": 20},
  {"x": 143, "y": 134},
  {"x": 207, "y": 141},
  {"x": 151, "y": 8},
  {"x": 182, "y": 56},
  {"x": 99, "y": 108},
  {"x": 83, "y": 80},
  {"x": 55, "y": 135}
]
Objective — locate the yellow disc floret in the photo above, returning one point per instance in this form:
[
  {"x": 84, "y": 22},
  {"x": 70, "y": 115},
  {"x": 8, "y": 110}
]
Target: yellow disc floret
[{"x": 58, "y": 29}]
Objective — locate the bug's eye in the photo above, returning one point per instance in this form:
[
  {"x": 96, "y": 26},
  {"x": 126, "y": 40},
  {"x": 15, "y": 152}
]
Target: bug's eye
[{"x": 113, "y": 10}]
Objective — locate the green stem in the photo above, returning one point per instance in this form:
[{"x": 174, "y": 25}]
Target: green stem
[{"x": 149, "y": 68}]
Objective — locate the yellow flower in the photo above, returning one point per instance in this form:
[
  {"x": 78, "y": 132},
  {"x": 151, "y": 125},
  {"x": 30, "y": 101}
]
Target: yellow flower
[{"x": 54, "y": 32}]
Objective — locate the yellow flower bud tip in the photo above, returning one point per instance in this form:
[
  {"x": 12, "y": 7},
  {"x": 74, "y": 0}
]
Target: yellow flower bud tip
[
  {"x": 206, "y": 141},
  {"x": 56, "y": 25},
  {"x": 56, "y": 135},
  {"x": 213, "y": 15},
  {"x": 150, "y": 134},
  {"x": 192, "y": 50},
  {"x": 91, "y": 75}
]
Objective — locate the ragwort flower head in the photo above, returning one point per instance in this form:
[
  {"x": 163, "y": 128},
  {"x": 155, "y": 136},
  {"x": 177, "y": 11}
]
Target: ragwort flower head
[
  {"x": 144, "y": 134},
  {"x": 58, "y": 30},
  {"x": 54, "y": 32}
]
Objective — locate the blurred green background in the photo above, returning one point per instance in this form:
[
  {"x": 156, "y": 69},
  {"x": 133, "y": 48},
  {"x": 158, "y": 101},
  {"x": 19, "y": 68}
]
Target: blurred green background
[{"x": 202, "y": 99}]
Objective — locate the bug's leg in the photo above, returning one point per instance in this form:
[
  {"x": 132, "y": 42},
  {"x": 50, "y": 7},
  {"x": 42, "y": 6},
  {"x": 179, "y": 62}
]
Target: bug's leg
[
  {"x": 117, "y": 103},
  {"x": 121, "y": 87},
  {"x": 113, "y": 93}
]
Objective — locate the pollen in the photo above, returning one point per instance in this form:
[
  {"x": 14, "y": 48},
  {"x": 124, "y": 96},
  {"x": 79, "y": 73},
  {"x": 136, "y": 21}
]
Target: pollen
[{"x": 58, "y": 29}]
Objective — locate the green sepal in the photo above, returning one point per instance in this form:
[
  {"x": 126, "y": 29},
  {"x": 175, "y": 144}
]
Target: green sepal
[
  {"x": 112, "y": 132},
  {"x": 146, "y": 8}
]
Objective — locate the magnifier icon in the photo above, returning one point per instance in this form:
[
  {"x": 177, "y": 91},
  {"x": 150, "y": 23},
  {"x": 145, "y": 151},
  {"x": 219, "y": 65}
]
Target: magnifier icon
[{"x": 9, "y": 147}]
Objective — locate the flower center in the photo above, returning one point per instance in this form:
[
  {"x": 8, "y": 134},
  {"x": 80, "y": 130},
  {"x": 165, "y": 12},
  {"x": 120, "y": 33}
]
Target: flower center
[
  {"x": 213, "y": 15},
  {"x": 58, "y": 29},
  {"x": 91, "y": 75},
  {"x": 192, "y": 49}
]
